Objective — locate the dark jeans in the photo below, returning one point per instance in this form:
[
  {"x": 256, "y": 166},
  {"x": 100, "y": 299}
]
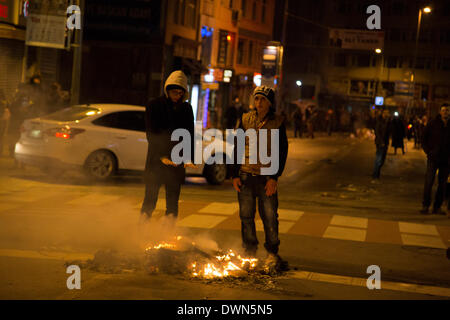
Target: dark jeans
[
  {"x": 432, "y": 167},
  {"x": 252, "y": 188},
  {"x": 151, "y": 197},
  {"x": 380, "y": 157},
  {"x": 298, "y": 129}
]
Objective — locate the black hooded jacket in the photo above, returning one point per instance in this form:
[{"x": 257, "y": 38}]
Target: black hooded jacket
[
  {"x": 436, "y": 140},
  {"x": 162, "y": 118}
]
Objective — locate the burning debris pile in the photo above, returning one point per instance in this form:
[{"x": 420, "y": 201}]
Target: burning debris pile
[{"x": 182, "y": 256}]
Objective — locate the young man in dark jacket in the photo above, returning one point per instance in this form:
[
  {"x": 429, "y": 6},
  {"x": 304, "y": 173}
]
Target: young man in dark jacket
[
  {"x": 163, "y": 116},
  {"x": 251, "y": 183},
  {"x": 436, "y": 144},
  {"x": 382, "y": 133}
]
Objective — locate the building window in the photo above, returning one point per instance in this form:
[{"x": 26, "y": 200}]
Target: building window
[
  {"x": 363, "y": 60},
  {"x": 254, "y": 10},
  {"x": 263, "y": 11},
  {"x": 240, "y": 53},
  {"x": 244, "y": 7},
  {"x": 392, "y": 62},
  {"x": 340, "y": 60},
  {"x": 190, "y": 13},
  {"x": 250, "y": 53}
]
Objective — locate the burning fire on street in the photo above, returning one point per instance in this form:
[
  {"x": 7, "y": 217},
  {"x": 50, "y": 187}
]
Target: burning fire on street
[{"x": 181, "y": 254}]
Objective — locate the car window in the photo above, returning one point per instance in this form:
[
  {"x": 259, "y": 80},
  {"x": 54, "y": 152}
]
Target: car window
[
  {"x": 72, "y": 114},
  {"x": 127, "y": 120}
]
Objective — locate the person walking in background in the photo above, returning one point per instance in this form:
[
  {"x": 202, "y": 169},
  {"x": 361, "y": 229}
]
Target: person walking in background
[
  {"x": 164, "y": 115},
  {"x": 298, "y": 122},
  {"x": 310, "y": 117},
  {"x": 398, "y": 134},
  {"x": 330, "y": 121},
  {"x": 4, "y": 120},
  {"x": 436, "y": 144},
  {"x": 382, "y": 133}
]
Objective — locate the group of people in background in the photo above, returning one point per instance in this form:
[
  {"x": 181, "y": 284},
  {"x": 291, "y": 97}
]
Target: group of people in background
[
  {"x": 433, "y": 137},
  {"x": 30, "y": 100}
]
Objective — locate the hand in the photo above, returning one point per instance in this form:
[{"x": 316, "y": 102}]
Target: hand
[
  {"x": 190, "y": 165},
  {"x": 237, "y": 183},
  {"x": 271, "y": 187},
  {"x": 168, "y": 162}
]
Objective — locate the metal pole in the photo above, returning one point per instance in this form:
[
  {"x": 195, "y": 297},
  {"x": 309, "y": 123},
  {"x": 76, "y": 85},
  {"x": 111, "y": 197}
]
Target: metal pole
[
  {"x": 413, "y": 74},
  {"x": 283, "y": 43},
  {"x": 77, "y": 55}
]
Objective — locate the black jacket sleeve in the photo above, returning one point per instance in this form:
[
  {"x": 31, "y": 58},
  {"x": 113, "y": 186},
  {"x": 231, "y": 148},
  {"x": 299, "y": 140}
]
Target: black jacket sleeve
[
  {"x": 236, "y": 167},
  {"x": 283, "y": 151}
]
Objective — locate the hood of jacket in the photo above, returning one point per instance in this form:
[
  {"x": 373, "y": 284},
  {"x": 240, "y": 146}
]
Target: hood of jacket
[{"x": 177, "y": 78}]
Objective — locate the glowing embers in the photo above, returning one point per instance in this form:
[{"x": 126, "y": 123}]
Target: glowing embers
[
  {"x": 184, "y": 256},
  {"x": 165, "y": 245},
  {"x": 227, "y": 265}
]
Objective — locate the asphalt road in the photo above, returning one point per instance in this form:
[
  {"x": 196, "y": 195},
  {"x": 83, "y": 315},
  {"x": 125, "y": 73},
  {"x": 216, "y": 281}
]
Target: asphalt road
[{"x": 334, "y": 223}]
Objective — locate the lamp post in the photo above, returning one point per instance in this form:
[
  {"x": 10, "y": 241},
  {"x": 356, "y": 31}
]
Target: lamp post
[
  {"x": 377, "y": 90},
  {"x": 425, "y": 10},
  {"x": 299, "y": 84}
]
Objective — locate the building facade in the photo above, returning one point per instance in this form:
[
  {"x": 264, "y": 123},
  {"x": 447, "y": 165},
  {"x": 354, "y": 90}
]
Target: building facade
[
  {"x": 352, "y": 78},
  {"x": 233, "y": 36}
]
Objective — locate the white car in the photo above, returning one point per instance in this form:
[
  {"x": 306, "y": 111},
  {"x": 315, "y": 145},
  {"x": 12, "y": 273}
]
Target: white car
[{"x": 101, "y": 139}]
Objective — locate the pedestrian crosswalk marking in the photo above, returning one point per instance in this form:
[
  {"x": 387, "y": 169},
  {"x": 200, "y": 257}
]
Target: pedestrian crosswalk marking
[
  {"x": 45, "y": 255},
  {"x": 345, "y": 233},
  {"x": 8, "y": 206},
  {"x": 95, "y": 199},
  {"x": 201, "y": 221},
  {"x": 345, "y": 221},
  {"x": 362, "y": 282},
  {"x": 221, "y": 208},
  {"x": 283, "y": 226},
  {"x": 415, "y": 228},
  {"x": 423, "y": 241},
  {"x": 291, "y": 215}
]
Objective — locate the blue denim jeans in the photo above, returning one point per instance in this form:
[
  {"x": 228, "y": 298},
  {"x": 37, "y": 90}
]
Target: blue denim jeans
[
  {"x": 432, "y": 167},
  {"x": 253, "y": 188},
  {"x": 380, "y": 157}
]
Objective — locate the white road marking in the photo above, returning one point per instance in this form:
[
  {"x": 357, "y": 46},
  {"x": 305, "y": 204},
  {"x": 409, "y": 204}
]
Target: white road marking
[
  {"x": 362, "y": 282},
  {"x": 292, "y": 173},
  {"x": 223, "y": 208},
  {"x": 283, "y": 226},
  {"x": 423, "y": 241},
  {"x": 345, "y": 233},
  {"x": 96, "y": 199},
  {"x": 291, "y": 215},
  {"x": 201, "y": 221},
  {"x": 46, "y": 255},
  {"x": 345, "y": 221},
  {"x": 416, "y": 228}
]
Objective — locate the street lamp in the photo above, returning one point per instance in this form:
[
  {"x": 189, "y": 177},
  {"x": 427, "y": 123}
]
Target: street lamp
[
  {"x": 378, "y": 90},
  {"x": 299, "y": 84},
  {"x": 425, "y": 10}
]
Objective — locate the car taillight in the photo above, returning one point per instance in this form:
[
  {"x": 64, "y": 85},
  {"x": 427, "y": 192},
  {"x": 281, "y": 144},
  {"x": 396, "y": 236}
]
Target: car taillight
[{"x": 64, "y": 133}]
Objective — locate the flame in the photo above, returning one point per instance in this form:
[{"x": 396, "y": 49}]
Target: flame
[{"x": 224, "y": 266}]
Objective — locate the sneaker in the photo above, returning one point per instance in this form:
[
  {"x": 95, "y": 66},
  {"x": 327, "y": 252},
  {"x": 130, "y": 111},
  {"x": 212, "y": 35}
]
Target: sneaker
[
  {"x": 438, "y": 211},
  {"x": 275, "y": 264},
  {"x": 424, "y": 210},
  {"x": 144, "y": 217}
]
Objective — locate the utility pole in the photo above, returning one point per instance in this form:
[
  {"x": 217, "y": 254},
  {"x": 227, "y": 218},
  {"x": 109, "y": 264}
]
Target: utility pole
[
  {"x": 280, "y": 91},
  {"x": 77, "y": 55}
]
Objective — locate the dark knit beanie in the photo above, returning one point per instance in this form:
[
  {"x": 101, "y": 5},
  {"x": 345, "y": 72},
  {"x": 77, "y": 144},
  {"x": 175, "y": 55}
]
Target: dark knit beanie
[{"x": 266, "y": 92}]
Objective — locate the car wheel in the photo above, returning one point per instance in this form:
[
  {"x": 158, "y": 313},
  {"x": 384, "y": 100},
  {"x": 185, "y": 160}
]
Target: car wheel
[
  {"x": 215, "y": 173},
  {"x": 101, "y": 165}
]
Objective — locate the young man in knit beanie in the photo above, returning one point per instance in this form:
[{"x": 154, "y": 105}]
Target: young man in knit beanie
[{"x": 251, "y": 183}]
